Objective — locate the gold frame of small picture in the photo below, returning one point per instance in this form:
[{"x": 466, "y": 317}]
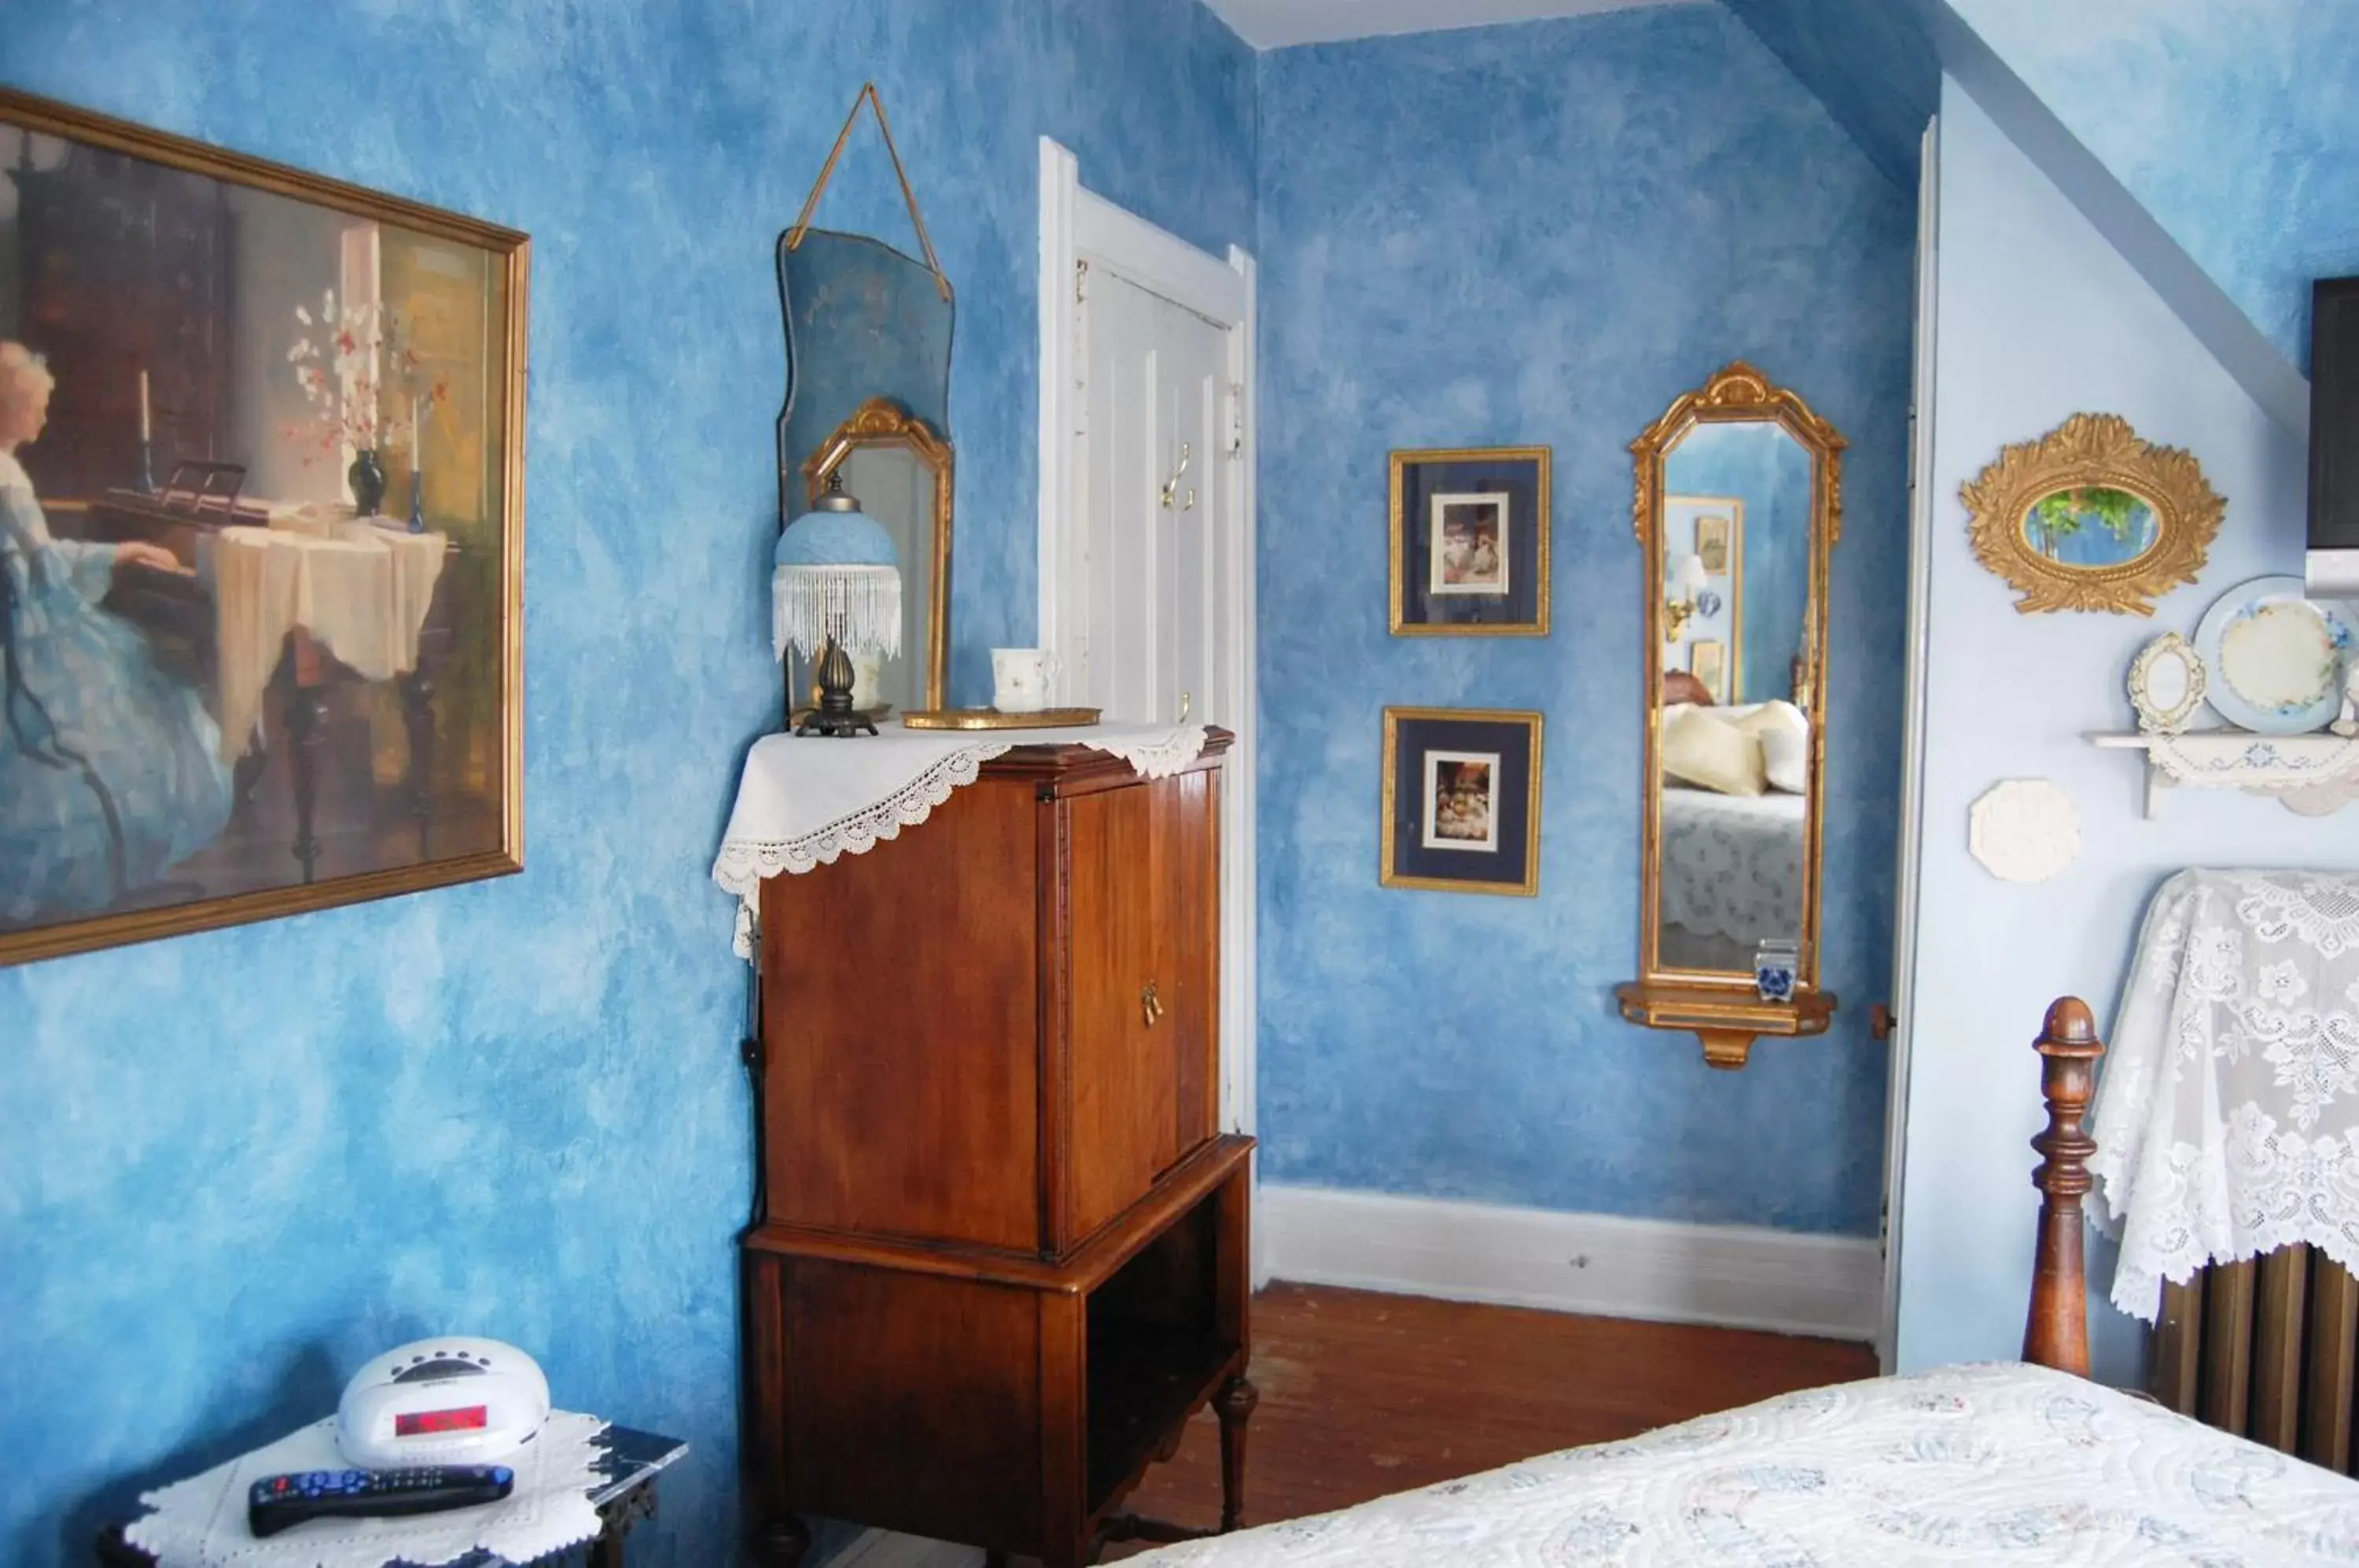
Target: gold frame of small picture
[
  {"x": 1418, "y": 853},
  {"x": 1427, "y": 482}
]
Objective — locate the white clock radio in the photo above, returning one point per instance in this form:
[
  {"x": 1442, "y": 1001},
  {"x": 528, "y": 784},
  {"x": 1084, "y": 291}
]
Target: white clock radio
[{"x": 442, "y": 1401}]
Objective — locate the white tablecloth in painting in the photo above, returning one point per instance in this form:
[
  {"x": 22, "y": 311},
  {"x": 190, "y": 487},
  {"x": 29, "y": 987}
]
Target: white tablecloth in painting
[
  {"x": 2227, "y": 1113},
  {"x": 1966, "y": 1466},
  {"x": 362, "y": 590},
  {"x": 1733, "y": 864},
  {"x": 802, "y": 800}
]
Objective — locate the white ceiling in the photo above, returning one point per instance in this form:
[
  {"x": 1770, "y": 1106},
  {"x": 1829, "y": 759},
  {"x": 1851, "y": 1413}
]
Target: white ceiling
[{"x": 1275, "y": 24}]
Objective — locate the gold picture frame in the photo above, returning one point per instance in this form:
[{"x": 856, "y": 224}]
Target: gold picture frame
[
  {"x": 2093, "y": 467},
  {"x": 884, "y": 423},
  {"x": 1494, "y": 755},
  {"x": 1728, "y": 513},
  {"x": 1424, "y": 482},
  {"x": 472, "y": 719},
  {"x": 1712, "y": 538},
  {"x": 1708, "y": 662}
]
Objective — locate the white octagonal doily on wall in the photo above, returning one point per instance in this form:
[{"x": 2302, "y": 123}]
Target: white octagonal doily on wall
[{"x": 2024, "y": 830}]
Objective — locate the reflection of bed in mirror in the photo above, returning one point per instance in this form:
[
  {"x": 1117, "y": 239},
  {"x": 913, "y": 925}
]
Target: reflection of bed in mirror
[{"x": 1731, "y": 876}]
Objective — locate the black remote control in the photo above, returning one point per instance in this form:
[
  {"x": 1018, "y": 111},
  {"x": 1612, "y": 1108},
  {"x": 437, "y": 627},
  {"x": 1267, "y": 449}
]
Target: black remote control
[{"x": 279, "y": 1502}]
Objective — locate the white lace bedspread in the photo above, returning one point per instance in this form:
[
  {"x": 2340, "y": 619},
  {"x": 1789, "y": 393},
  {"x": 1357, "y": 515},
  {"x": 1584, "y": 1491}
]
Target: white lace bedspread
[
  {"x": 802, "y": 800},
  {"x": 1968, "y": 1464},
  {"x": 2227, "y": 1114},
  {"x": 200, "y": 1522},
  {"x": 1733, "y": 864}
]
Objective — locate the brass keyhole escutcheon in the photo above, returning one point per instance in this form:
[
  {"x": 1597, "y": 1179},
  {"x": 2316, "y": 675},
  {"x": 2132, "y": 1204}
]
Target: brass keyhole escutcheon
[{"x": 1150, "y": 1005}]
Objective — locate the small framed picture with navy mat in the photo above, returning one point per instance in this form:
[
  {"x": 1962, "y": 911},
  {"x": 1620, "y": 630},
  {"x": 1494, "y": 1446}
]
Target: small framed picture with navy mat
[
  {"x": 1470, "y": 543},
  {"x": 1461, "y": 809}
]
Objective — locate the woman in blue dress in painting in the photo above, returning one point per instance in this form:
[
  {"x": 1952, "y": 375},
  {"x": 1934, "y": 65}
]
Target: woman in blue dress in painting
[{"x": 110, "y": 767}]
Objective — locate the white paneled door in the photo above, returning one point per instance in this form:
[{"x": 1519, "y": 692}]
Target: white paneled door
[
  {"x": 1150, "y": 469},
  {"x": 1147, "y": 514}
]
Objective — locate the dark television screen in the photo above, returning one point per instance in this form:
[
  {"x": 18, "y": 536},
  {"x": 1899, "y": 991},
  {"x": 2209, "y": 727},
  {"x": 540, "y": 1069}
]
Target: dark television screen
[{"x": 2334, "y": 414}]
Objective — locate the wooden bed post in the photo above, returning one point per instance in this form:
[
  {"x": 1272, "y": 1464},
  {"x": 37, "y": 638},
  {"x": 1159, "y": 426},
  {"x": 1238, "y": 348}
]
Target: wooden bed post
[{"x": 2057, "y": 1331}]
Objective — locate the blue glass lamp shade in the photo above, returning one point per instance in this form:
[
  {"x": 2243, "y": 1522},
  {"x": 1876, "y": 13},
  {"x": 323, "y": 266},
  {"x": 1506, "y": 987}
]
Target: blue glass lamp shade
[{"x": 834, "y": 580}]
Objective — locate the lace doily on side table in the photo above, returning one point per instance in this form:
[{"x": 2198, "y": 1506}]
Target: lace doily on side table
[
  {"x": 802, "y": 801},
  {"x": 200, "y": 1522},
  {"x": 2227, "y": 1117}
]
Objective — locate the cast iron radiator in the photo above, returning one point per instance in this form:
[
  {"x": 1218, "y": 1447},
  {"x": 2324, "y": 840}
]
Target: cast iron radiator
[{"x": 2265, "y": 1348}]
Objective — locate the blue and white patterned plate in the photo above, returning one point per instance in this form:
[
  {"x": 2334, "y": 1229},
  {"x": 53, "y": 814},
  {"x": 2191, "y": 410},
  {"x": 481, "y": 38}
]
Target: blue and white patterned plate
[{"x": 2275, "y": 657}]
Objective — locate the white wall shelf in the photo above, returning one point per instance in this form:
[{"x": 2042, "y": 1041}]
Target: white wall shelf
[{"x": 2312, "y": 775}]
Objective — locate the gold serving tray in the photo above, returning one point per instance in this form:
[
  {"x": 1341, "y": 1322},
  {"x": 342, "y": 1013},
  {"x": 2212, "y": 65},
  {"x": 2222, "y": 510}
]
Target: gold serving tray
[{"x": 993, "y": 719}]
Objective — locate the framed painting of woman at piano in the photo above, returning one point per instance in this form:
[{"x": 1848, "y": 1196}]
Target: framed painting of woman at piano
[{"x": 261, "y": 538}]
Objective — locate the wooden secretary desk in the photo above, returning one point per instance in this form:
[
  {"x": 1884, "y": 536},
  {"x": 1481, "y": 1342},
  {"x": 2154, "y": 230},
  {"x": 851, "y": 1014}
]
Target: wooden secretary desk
[{"x": 1003, "y": 1252}]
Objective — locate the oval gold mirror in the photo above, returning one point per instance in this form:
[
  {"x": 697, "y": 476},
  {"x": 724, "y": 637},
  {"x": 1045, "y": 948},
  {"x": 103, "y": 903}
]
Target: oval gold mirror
[
  {"x": 2091, "y": 518},
  {"x": 1739, "y": 503}
]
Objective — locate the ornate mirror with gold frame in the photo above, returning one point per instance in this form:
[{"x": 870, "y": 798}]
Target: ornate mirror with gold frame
[
  {"x": 2091, "y": 518},
  {"x": 902, "y": 473},
  {"x": 1739, "y": 504}
]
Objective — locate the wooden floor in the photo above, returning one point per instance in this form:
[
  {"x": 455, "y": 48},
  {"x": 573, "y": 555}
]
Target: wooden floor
[{"x": 1362, "y": 1394}]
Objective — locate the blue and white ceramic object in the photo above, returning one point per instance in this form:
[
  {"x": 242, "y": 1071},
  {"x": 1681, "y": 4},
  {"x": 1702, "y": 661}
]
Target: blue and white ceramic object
[
  {"x": 1774, "y": 964},
  {"x": 2275, "y": 657}
]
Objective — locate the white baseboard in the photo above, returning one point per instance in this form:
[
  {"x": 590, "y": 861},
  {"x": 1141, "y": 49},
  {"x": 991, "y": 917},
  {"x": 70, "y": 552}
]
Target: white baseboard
[{"x": 1731, "y": 1276}]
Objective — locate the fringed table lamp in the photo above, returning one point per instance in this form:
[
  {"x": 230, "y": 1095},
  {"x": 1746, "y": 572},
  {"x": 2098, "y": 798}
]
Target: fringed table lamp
[{"x": 835, "y": 592}]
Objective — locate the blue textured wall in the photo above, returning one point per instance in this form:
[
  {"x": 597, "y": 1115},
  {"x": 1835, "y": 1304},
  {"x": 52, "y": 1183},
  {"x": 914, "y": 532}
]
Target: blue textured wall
[
  {"x": 1545, "y": 233},
  {"x": 232, "y": 1166},
  {"x": 1772, "y": 472},
  {"x": 2231, "y": 120},
  {"x": 1869, "y": 61}
]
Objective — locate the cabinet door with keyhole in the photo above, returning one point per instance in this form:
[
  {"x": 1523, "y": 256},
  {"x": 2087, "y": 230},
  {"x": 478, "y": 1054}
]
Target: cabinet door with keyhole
[{"x": 1138, "y": 864}]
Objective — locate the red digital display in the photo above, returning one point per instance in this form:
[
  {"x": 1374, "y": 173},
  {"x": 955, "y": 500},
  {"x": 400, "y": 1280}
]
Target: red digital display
[{"x": 418, "y": 1423}]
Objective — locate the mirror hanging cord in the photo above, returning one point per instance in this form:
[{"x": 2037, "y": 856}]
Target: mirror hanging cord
[{"x": 873, "y": 100}]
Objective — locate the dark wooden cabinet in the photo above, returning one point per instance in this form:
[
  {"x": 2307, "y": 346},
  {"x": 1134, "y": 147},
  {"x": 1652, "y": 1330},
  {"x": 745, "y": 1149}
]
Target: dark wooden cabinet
[{"x": 1004, "y": 1249}]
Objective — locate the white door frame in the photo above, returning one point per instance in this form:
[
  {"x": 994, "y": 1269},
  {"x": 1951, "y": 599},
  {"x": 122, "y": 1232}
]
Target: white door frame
[
  {"x": 1912, "y": 745},
  {"x": 1079, "y": 228}
]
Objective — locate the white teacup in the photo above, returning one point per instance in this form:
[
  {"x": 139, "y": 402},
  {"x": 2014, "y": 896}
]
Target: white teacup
[{"x": 1020, "y": 678}]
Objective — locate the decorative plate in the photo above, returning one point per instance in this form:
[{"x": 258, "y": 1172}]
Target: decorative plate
[
  {"x": 2275, "y": 657},
  {"x": 2167, "y": 684},
  {"x": 993, "y": 719},
  {"x": 2024, "y": 830}
]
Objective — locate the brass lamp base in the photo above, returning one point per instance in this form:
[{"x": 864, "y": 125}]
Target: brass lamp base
[{"x": 835, "y": 715}]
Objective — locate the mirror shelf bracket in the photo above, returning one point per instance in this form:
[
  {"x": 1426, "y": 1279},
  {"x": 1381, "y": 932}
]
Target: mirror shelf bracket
[{"x": 1725, "y": 1021}]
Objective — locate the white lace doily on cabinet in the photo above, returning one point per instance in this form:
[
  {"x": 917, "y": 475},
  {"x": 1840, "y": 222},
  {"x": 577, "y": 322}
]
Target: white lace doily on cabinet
[
  {"x": 804, "y": 800},
  {"x": 200, "y": 1522}
]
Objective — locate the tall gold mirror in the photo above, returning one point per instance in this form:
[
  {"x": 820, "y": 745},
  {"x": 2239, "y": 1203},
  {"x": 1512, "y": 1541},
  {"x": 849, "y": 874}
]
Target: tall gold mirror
[
  {"x": 1739, "y": 503},
  {"x": 902, "y": 472}
]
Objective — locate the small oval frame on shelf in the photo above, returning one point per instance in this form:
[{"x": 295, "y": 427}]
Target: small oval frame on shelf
[
  {"x": 2094, "y": 453},
  {"x": 2170, "y": 659}
]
